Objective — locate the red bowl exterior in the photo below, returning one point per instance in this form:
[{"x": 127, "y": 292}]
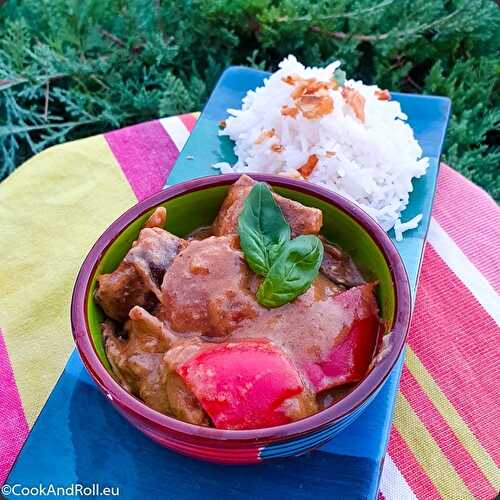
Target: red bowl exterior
[{"x": 249, "y": 446}]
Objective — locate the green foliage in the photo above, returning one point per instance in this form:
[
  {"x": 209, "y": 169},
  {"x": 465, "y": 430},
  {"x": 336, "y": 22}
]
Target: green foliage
[{"x": 71, "y": 68}]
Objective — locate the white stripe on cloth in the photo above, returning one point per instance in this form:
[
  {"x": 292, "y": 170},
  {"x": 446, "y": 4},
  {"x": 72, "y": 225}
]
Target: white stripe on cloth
[
  {"x": 464, "y": 269},
  {"x": 392, "y": 483},
  {"x": 176, "y": 129}
]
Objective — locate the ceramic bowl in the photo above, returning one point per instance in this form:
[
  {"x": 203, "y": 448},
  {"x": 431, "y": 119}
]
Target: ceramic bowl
[{"x": 193, "y": 204}]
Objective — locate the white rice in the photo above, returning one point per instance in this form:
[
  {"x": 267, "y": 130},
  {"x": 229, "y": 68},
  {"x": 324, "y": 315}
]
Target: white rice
[{"x": 374, "y": 161}]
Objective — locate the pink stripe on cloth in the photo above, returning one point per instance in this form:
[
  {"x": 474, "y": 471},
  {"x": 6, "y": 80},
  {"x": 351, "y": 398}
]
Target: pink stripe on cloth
[
  {"x": 14, "y": 427},
  {"x": 441, "y": 432},
  {"x": 410, "y": 469},
  {"x": 145, "y": 153},
  {"x": 472, "y": 219},
  {"x": 189, "y": 121},
  {"x": 457, "y": 341}
]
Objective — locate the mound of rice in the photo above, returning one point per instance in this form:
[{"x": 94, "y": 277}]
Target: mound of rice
[{"x": 346, "y": 136}]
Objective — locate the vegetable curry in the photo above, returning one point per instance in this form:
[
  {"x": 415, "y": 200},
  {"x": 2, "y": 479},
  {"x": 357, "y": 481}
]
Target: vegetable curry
[{"x": 253, "y": 322}]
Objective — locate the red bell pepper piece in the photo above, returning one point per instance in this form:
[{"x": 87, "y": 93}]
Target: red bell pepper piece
[
  {"x": 242, "y": 385},
  {"x": 353, "y": 347}
]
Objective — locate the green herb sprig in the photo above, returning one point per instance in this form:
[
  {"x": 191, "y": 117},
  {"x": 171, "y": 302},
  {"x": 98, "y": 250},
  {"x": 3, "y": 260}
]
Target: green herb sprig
[
  {"x": 289, "y": 266},
  {"x": 263, "y": 229}
]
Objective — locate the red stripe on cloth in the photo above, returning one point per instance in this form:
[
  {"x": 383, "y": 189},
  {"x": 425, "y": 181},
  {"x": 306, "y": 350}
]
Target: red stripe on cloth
[
  {"x": 440, "y": 431},
  {"x": 189, "y": 121},
  {"x": 14, "y": 427},
  {"x": 380, "y": 496},
  {"x": 410, "y": 469},
  {"x": 458, "y": 343},
  {"x": 145, "y": 153},
  {"x": 472, "y": 220}
]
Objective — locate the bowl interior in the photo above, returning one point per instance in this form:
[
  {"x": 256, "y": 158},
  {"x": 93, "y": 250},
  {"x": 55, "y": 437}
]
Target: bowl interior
[{"x": 199, "y": 208}]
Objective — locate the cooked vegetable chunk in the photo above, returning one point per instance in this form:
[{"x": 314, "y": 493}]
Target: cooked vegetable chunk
[
  {"x": 158, "y": 218},
  {"x": 350, "y": 354},
  {"x": 338, "y": 266},
  {"x": 137, "y": 280},
  {"x": 302, "y": 219},
  {"x": 244, "y": 385},
  {"x": 136, "y": 356},
  {"x": 183, "y": 403},
  {"x": 207, "y": 288}
]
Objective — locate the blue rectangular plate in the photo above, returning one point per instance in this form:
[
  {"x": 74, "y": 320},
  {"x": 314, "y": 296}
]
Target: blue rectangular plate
[{"x": 80, "y": 438}]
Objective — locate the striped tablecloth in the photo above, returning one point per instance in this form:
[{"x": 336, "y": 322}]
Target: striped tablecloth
[{"x": 445, "y": 438}]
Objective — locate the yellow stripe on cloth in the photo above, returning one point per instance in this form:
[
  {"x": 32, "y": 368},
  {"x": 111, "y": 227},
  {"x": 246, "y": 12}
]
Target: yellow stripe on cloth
[
  {"x": 52, "y": 210},
  {"x": 464, "y": 435},
  {"x": 427, "y": 452}
]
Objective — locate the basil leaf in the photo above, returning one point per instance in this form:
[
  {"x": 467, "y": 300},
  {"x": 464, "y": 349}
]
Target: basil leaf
[
  {"x": 263, "y": 229},
  {"x": 293, "y": 271}
]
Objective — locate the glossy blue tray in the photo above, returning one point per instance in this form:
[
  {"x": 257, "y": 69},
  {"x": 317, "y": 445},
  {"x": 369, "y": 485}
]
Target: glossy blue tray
[{"x": 80, "y": 438}]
